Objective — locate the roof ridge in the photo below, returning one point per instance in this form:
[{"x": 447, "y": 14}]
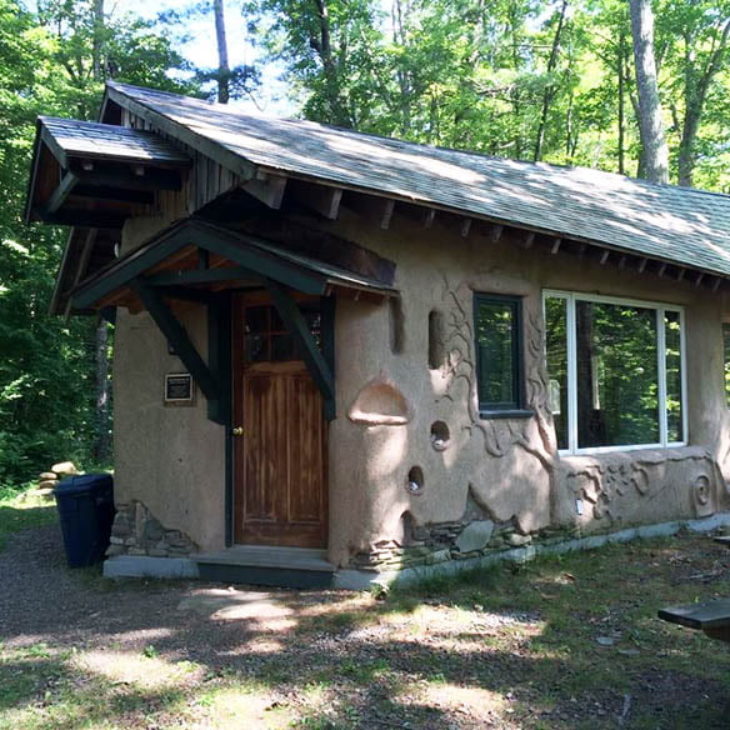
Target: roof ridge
[{"x": 474, "y": 154}]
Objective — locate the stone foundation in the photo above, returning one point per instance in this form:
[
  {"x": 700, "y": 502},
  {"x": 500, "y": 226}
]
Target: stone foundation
[
  {"x": 137, "y": 532},
  {"x": 442, "y": 542}
]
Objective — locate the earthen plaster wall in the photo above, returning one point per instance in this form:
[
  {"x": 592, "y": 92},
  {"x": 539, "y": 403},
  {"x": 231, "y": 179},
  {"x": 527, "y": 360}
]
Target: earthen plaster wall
[
  {"x": 499, "y": 470},
  {"x": 171, "y": 459},
  {"x": 488, "y": 471}
]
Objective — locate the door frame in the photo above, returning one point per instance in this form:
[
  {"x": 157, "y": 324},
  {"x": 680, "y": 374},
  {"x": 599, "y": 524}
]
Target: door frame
[{"x": 238, "y": 300}]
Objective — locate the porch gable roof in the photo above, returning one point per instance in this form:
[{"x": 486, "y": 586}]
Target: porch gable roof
[{"x": 253, "y": 257}]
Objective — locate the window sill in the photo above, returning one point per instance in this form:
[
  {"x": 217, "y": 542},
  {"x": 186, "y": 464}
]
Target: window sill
[{"x": 514, "y": 413}]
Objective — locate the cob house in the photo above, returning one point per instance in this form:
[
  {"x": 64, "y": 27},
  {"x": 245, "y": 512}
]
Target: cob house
[{"x": 341, "y": 358}]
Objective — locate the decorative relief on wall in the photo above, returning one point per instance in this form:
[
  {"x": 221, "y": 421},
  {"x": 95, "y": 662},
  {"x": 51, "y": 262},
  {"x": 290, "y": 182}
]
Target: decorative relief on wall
[
  {"x": 618, "y": 487},
  {"x": 512, "y": 441}
]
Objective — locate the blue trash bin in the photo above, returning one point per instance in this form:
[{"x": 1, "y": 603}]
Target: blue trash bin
[{"x": 86, "y": 511}]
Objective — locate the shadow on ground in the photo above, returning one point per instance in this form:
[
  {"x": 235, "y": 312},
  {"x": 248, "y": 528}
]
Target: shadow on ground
[{"x": 517, "y": 649}]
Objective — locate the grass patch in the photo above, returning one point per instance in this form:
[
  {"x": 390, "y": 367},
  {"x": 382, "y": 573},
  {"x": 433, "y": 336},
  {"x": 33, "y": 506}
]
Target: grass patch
[{"x": 21, "y": 510}]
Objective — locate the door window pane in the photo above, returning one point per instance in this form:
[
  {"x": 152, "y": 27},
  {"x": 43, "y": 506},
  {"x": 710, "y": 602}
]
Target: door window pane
[
  {"x": 556, "y": 348},
  {"x": 266, "y": 338},
  {"x": 617, "y": 375}
]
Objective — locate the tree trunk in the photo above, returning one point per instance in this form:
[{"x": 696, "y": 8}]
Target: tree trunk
[
  {"x": 621, "y": 55},
  {"x": 97, "y": 49},
  {"x": 224, "y": 69},
  {"x": 696, "y": 87},
  {"x": 653, "y": 143},
  {"x": 550, "y": 89}
]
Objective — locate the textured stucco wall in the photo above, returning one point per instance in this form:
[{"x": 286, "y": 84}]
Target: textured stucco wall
[
  {"x": 170, "y": 458},
  {"x": 507, "y": 469},
  {"x": 503, "y": 471}
]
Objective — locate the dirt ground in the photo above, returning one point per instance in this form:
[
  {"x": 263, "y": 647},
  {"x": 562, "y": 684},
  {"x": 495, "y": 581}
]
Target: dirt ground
[{"x": 570, "y": 643}]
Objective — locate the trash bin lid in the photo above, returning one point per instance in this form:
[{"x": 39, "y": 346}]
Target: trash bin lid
[{"x": 83, "y": 484}]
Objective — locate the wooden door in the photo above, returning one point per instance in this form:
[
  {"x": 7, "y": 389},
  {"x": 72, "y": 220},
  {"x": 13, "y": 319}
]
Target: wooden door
[{"x": 281, "y": 494}]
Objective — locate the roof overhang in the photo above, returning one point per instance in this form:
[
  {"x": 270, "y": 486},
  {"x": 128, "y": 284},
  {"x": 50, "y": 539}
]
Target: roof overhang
[
  {"x": 194, "y": 257},
  {"x": 98, "y": 175}
]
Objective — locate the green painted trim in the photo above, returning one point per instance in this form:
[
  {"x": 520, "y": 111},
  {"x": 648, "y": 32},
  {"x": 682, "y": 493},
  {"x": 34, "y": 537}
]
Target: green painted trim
[
  {"x": 211, "y": 238},
  {"x": 177, "y": 336},
  {"x": 518, "y": 358},
  {"x": 297, "y": 325}
]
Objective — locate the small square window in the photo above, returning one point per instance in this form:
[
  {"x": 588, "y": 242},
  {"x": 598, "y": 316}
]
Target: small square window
[{"x": 498, "y": 328}]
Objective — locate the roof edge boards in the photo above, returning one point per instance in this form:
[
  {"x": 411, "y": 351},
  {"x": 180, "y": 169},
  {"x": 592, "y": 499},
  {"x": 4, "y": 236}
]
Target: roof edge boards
[{"x": 231, "y": 161}]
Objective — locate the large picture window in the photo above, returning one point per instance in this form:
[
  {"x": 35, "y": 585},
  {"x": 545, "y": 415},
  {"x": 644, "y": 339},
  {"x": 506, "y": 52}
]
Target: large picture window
[
  {"x": 498, "y": 326},
  {"x": 616, "y": 372}
]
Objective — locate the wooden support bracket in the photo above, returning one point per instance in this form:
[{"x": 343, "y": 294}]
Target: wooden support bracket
[
  {"x": 429, "y": 217},
  {"x": 177, "y": 337},
  {"x": 322, "y": 199},
  {"x": 495, "y": 233},
  {"x": 465, "y": 227},
  {"x": 267, "y": 188},
  {"x": 529, "y": 240},
  {"x": 604, "y": 256},
  {"x": 315, "y": 361},
  {"x": 61, "y": 193},
  {"x": 556, "y": 246}
]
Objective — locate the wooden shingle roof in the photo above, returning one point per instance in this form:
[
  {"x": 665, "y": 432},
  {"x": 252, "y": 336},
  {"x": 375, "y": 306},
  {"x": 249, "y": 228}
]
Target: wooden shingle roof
[
  {"x": 90, "y": 140},
  {"x": 679, "y": 225}
]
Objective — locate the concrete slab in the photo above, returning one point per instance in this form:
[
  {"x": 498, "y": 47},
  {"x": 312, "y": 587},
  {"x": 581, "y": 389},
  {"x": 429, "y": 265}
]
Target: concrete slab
[{"x": 144, "y": 566}]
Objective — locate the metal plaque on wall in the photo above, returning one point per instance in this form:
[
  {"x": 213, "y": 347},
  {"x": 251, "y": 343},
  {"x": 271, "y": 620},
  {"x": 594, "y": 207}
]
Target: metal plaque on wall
[{"x": 179, "y": 389}]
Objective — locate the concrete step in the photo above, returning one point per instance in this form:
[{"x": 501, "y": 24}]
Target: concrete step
[{"x": 268, "y": 566}]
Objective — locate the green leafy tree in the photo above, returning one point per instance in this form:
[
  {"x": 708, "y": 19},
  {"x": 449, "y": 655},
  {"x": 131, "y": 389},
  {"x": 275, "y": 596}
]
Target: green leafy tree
[{"x": 50, "y": 64}]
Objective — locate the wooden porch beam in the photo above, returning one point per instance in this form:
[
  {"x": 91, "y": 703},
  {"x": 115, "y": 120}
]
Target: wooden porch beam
[
  {"x": 177, "y": 337},
  {"x": 60, "y": 194},
  {"x": 85, "y": 218},
  {"x": 323, "y": 200},
  {"x": 315, "y": 361},
  {"x": 201, "y": 276},
  {"x": 200, "y": 296},
  {"x": 125, "y": 179}
]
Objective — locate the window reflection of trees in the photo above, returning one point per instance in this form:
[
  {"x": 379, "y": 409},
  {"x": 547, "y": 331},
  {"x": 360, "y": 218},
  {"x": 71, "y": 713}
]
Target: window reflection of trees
[{"x": 617, "y": 372}]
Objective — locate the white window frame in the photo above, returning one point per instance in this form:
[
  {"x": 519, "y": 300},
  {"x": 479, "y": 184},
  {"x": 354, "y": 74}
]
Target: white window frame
[{"x": 572, "y": 356}]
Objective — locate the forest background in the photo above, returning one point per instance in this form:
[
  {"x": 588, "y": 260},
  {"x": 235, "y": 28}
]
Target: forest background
[{"x": 540, "y": 80}]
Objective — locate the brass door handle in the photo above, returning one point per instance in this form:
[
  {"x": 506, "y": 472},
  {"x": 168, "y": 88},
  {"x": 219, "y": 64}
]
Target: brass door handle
[{"x": 237, "y": 431}]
